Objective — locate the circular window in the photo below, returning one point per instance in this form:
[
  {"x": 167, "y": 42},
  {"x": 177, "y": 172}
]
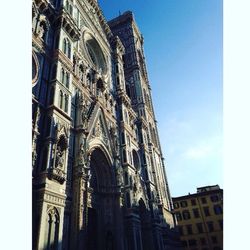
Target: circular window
[
  {"x": 95, "y": 53},
  {"x": 35, "y": 69}
]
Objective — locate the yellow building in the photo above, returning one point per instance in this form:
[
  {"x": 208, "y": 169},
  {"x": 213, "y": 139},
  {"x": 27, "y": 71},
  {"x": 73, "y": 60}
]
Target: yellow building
[{"x": 200, "y": 218}]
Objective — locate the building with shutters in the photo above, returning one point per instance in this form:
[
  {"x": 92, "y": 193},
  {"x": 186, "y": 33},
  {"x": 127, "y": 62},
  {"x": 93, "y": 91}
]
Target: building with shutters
[{"x": 200, "y": 218}]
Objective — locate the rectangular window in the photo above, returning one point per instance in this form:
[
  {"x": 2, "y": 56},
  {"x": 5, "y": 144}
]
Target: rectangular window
[
  {"x": 214, "y": 239},
  {"x": 189, "y": 229},
  {"x": 203, "y": 200},
  {"x": 176, "y": 205},
  {"x": 193, "y": 202},
  {"x": 217, "y": 209},
  {"x": 123, "y": 137},
  {"x": 192, "y": 242},
  {"x": 196, "y": 213},
  {"x": 178, "y": 216},
  {"x": 186, "y": 215},
  {"x": 206, "y": 211},
  {"x": 183, "y": 203},
  {"x": 180, "y": 230},
  {"x": 214, "y": 198},
  {"x": 184, "y": 243},
  {"x": 203, "y": 241},
  {"x": 199, "y": 227},
  {"x": 210, "y": 226}
]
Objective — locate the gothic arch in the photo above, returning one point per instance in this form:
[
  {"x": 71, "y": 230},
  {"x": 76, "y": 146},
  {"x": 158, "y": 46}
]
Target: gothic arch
[
  {"x": 94, "y": 51},
  {"x": 98, "y": 144},
  {"x": 52, "y": 228},
  {"x": 101, "y": 209},
  {"x": 35, "y": 69},
  {"x": 136, "y": 160}
]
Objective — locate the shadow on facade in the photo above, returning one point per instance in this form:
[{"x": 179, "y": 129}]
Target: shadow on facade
[{"x": 93, "y": 219}]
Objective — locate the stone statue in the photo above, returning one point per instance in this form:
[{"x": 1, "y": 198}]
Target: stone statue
[
  {"x": 37, "y": 118},
  {"x": 84, "y": 115},
  {"x": 81, "y": 158},
  {"x": 119, "y": 175},
  {"x": 59, "y": 157},
  {"x": 115, "y": 140},
  {"x": 41, "y": 31}
]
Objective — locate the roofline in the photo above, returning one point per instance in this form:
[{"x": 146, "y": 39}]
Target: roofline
[{"x": 197, "y": 194}]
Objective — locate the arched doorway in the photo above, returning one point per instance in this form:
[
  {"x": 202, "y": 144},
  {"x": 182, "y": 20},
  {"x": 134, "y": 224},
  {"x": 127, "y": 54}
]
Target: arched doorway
[
  {"x": 145, "y": 228},
  {"x": 101, "y": 203}
]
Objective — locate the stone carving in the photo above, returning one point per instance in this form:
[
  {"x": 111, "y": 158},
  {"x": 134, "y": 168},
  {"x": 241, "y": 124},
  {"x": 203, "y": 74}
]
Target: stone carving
[
  {"x": 81, "y": 155},
  {"x": 119, "y": 175},
  {"x": 59, "y": 157},
  {"x": 115, "y": 140},
  {"x": 84, "y": 107},
  {"x": 38, "y": 114},
  {"x": 98, "y": 130},
  {"x": 41, "y": 31}
]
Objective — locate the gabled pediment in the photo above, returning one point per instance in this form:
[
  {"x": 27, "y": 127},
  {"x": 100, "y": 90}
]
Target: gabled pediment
[
  {"x": 96, "y": 16},
  {"x": 99, "y": 130}
]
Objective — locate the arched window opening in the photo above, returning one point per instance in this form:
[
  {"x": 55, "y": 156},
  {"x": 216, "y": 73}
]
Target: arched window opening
[
  {"x": 67, "y": 47},
  {"x": 52, "y": 229},
  {"x": 64, "y": 45},
  {"x": 136, "y": 161},
  {"x": 61, "y": 100},
  {"x": 124, "y": 155},
  {"x": 62, "y": 76},
  {"x": 66, "y": 103},
  {"x": 69, "y": 50},
  {"x": 67, "y": 80}
]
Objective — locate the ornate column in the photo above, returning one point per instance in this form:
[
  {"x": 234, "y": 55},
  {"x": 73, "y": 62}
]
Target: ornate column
[
  {"x": 35, "y": 135},
  {"x": 80, "y": 180}
]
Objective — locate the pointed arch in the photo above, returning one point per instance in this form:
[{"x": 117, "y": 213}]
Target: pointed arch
[{"x": 52, "y": 228}]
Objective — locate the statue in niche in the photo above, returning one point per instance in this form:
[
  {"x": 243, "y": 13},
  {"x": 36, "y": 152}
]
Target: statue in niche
[
  {"x": 115, "y": 141},
  {"x": 98, "y": 129},
  {"x": 119, "y": 175},
  {"x": 41, "y": 30},
  {"x": 59, "y": 157},
  {"x": 81, "y": 158},
  {"x": 84, "y": 114}
]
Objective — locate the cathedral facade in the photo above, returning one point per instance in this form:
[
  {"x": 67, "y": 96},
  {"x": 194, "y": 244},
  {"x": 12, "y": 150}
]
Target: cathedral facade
[{"x": 98, "y": 176}]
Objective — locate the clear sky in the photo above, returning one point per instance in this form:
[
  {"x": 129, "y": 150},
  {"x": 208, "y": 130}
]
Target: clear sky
[{"x": 183, "y": 49}]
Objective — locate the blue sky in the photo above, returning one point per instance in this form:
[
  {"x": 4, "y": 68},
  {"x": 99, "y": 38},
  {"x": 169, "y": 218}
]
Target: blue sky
[{"x": 183, "y": 49}]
